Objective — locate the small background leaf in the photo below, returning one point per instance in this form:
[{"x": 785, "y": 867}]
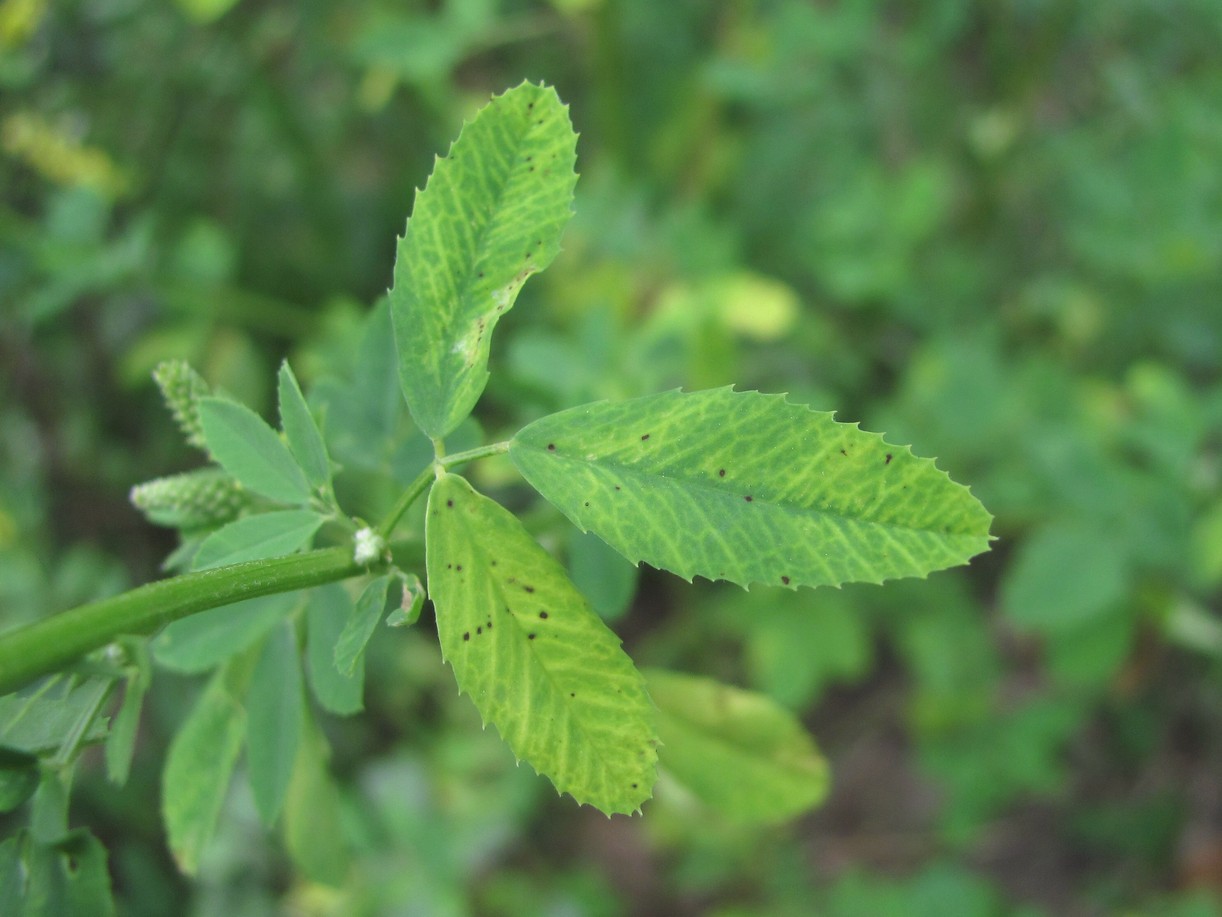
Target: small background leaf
[
  {"x": 327, "y": 613},
  {"x": 313, "y": 827},
  {"x": 360, "y": 626},
  {"x": 197, "y": 772},
  {"x": 490, "y": 216},
  {"x": 38, "y": 718},
  {"x": 602, "y": 575},
  {"x": 257, "y": 538},
  {"x": 121, "y": 743},
  {"x": 1036, "y": 593},
  {"x": 535, "y": 659},
  {"x": 18, "y": 778},
  {"x": 273, "y": 721},
  {"x": 201, "y": 641},
  {"x": 301, "y": 430},
  {"x": 67, "y": 876},
  {"x": 251, "y": 451},
  {"x": 749, "y": 488},
  {"x": 737, "y": 751}
]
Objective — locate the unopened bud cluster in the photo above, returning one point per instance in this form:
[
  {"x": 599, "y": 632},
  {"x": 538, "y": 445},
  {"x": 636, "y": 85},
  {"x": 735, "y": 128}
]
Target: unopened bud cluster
[
  {"x": 192, "y": 500},
  {"x": 182, "y": 387}
]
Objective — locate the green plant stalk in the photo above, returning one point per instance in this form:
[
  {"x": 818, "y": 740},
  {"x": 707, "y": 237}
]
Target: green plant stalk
[
  {"x": 426, "y": 477},
  {"x": 47, "y": 646}
]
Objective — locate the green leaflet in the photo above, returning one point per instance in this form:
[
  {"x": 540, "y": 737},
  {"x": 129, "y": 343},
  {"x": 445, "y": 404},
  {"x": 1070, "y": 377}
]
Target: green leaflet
[
  {"x": 601, "y": 575},
  {"x": 350, "y": 648},
  {"x": 313, "y": 820},
  {"x": 121, "y": 743},
  {"x": 39, "y": 717},
  {"x": 198, "y": 767},
  {"x": 18, "y": 777},
  {"x": 490, "y": 216},
  {"x": 250, "y": 450},
  {"x": 67, "y": 876},
  {"x": 737, "y": 751},
  {"x": 536, "y": 660},
  {"x": 258, "y": 538},
  {"x": 273, "y": 721},
  {"x": 301, "y": 430},
  {"x": 201, "y": 641},
  {"x": 327, "y": 612},
  {"x": 749, "y": 488}
]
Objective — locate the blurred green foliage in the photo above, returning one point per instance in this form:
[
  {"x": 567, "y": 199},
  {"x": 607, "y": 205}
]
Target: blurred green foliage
[{"x": 992, "y": 230}]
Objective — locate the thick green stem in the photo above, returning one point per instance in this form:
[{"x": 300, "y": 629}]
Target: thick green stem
[{"x": 46, "y": 646}]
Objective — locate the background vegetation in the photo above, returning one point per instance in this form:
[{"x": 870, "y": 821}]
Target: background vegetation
[{"x": 992, "y": 230}]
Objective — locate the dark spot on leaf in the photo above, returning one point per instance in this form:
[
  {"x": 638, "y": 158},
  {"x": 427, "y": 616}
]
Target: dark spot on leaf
[
  {"x": 490, "y": 625},
  {"x": 466, "y": 635},
  {"x": 721, "y": 472},
  {"x": 478, "y": 631},
  {"x": 529, "y": 588},
  {"x": 551, "y": 447},
  {"x": 449, "y": 566},
  {"x": 634, "y": 786},
  {"x": 888, "y": 461},
  {"x": 785, "y": 580},
  {"x": 587, "y": 502},
  {"x": 492, "y": 562},
  {"x": 845, "y": 454},
  {"x": 450, "y": 504},
  {"x": 748, "y": 498},
  {"x": 645, "y": 437},
  {"x": 572, "y": 694},
  {"x": 617, "y": 487},
  {"x": 530, "y": 636},
  {"x": 458, "y": 567},
  {"x": 543, "y": 615}
]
